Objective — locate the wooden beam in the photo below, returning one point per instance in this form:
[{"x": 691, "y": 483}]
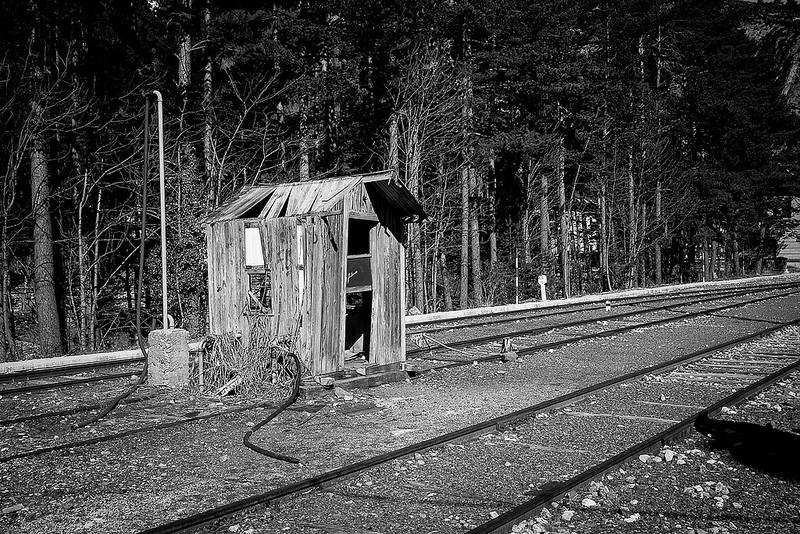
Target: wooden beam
[{"x": 363, "y": 216}]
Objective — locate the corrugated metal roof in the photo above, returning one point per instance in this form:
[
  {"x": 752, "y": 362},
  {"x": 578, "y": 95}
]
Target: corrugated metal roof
[
  {"x": 297, "y": 198},
  {"x": 240, "y": 204},
  {"x": 396, "y": 194}
]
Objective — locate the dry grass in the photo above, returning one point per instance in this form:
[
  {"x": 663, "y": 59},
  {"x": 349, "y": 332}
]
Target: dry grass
[{"x": 264, "y": 366}]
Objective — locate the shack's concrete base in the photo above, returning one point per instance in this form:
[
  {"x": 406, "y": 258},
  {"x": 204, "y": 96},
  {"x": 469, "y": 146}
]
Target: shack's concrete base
[{"x": 168, "y": 358}]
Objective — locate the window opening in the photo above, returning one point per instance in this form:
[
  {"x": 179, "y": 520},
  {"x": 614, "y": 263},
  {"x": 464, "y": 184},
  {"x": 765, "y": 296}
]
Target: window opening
[
  {"x": 259, "y": 290},
  {"x": 259, "y": 276},
  {"x": 358, "y": 236},
  {"x": 359, "y": 258},
  {"x": 253, "y": 247}
]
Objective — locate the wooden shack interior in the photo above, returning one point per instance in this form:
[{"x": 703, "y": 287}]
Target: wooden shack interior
[{"x": 320, "y": 262}]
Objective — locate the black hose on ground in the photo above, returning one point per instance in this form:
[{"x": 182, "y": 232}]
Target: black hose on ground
[
  {"x": 292, "y": 398},
  {"x": 143, "y": 375}
]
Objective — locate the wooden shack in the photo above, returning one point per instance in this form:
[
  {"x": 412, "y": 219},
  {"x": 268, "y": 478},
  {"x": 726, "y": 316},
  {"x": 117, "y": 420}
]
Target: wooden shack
[{"x": 322, "y": 262}]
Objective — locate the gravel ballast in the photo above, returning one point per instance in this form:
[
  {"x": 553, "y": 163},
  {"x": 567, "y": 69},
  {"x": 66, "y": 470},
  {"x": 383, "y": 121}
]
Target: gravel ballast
[{"x": 146, "y": 479}]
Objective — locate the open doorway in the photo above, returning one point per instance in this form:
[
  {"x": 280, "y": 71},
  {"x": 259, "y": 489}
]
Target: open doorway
[
  {"x": 358, "y": 290},
  {"x": 357, "y": 325}
]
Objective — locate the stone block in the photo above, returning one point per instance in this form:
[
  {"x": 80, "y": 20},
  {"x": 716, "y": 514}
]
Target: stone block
[{"x": 168, "y": 358}]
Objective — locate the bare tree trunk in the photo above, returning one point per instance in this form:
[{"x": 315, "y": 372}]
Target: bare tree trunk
[
  {"x": 43, "y": 257},
  {"x": 762, "y": 229},
  {"x": 657, "y": 245},
  {"x": 604, "y": 274},
  {"x": 414, "y": 231},
  {"x": 95, "y": 275},
  {"x": 477, "y": 277},
  {"x": 581, "y": 242},
  {"x": 564, "y": 221},
  {"x": 435, "y": 275},
  {"x": 544, "y": 223},
  {"x": 643, "y": 258},
  {"x": 185, "y": 58},
  {"x": 184, "y": 79},
  {"x": 737, "y": 267},
  {"x": 305, "y": 169},
  {"x": 464, "y": 289},
  {"x": 632, "y": 226},
  {"x": 705, "y": 259},
  {"x": 466, "y": 177},
  {"x": 525, "y": 223},
  {"x": 212, "y": 180},
  {"x": 437, "y": 238},
  {"x": 394, "y": 153},
  {"x": 81, "y": 320},
  {"x": 446, "y": 289},
  {"x": 491, "y": 188},
  {"x": 526, "y": 234},
  {"x": 714, "y": 253},
  {"x": 7, "y": 348}
]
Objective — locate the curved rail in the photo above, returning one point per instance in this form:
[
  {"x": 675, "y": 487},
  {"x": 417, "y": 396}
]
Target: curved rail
[{"x": 335, "y": 475}]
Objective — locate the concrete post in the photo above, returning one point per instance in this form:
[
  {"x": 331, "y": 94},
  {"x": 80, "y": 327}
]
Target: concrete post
[
  {"x": 542, "y": 283},
  {"x": 168, "y": 358}
]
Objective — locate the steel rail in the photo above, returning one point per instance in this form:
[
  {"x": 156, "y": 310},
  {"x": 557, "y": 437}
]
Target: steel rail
[
  {"x": 628, "y": 328},
  {"x": 79, "y": 368},
  {"x": 67, "y": 411},
  {"x": 505, "y": 521},
  {"x": 542, "y": 329},
  {"x": 131, "y": 432},
  {"x": 66, "y": 383},
  {"x": 66, "y": 370},
  {"x": 342, "y": 473},
  {"x": 160, "y": 426},
  {"x": 489, "y": 318}
]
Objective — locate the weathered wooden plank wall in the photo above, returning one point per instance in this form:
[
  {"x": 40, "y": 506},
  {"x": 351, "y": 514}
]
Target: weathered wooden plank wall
[
  {"x": 325, "y": 264},
  {"x": 227, "y": 281},
  {"x": 358, "y": 201},
  {"x": 387, "y": 338},
  {"x": 280, "y": 246}
]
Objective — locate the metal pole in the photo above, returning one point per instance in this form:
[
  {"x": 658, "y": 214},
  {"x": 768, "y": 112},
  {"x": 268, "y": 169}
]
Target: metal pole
[{"x": 160, "y": 102}]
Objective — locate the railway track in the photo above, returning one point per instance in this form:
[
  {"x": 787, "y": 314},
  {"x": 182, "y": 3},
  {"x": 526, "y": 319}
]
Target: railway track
[
  {"x": 489, "y": 350},
  {"x": 558, "y": 309},
  {"x": 73, "y": 374},
  {"x": 29, "y": 388},
  {"x": 527, "y": 339},
  {"x": 483, "y": 478}
]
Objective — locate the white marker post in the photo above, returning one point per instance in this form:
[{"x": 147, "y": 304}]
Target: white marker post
[{"x": 542, "y": 283}]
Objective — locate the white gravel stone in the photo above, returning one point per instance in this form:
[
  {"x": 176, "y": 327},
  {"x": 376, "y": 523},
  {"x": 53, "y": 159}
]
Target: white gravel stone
[{"x": 632, "y": 518}]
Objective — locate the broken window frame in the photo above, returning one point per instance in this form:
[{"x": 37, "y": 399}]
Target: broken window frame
[{"x": 259, "y": 299}]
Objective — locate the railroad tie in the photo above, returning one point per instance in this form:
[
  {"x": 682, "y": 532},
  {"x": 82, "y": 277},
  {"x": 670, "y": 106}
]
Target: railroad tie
[{"x": 622, "y": 416}]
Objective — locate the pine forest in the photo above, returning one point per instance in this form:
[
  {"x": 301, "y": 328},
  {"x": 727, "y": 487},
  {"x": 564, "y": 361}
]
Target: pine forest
[{"x": 605, "y": 145}]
